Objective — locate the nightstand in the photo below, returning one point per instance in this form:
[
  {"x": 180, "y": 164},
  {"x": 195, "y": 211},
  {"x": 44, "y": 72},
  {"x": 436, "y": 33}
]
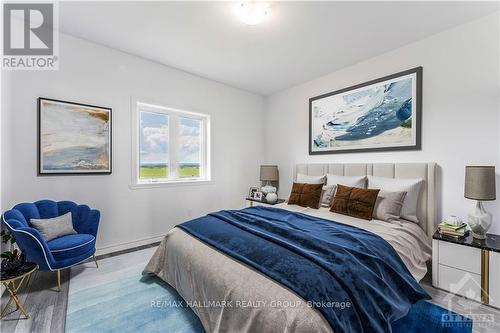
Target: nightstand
[
  {"x": 468, "y": 267},
  {"x": 263, "y": 202},
  {"x": 13, "y": 281}
]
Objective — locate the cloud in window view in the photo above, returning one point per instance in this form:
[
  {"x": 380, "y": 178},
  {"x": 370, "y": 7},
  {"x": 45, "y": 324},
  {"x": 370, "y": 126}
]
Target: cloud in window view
[
  {"x": 154, "y": 145},
  {"x": 189, "y": 147}
]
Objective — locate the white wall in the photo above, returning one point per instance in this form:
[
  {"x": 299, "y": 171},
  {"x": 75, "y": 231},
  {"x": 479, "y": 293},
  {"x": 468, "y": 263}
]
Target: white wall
[
  {"x": 460, "y": 123},
  {"x": 461, "y": 126},
  {"x": 97, "y": 75}
]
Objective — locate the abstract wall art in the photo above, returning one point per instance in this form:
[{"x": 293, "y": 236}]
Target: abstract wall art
[
  {"x": 73, "y": 138},
  {"x": 379, "y": 115}
]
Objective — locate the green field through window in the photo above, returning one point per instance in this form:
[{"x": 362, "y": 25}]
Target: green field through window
[
  {"x": 189, "y": 171},
  {"x": 150, "y": 172},
  {"x": 156, "y": 172}
]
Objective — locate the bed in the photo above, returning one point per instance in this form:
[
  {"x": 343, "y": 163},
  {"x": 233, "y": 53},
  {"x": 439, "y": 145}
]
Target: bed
[{"x": 230, "y": 295}]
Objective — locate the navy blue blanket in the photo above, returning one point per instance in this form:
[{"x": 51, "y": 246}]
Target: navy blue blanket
[{"x": 328, "y": 264}]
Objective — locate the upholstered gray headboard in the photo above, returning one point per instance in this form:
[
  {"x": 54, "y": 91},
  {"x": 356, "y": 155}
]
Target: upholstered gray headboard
[{"x": 426, "y": 210}]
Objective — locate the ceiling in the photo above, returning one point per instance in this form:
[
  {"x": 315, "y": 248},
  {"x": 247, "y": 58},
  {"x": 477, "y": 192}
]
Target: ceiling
[{"x": 299, "y": 41}]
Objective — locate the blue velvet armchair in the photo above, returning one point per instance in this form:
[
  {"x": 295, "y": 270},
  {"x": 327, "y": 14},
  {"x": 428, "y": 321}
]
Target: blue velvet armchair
[{"x": 58, "y": 253}]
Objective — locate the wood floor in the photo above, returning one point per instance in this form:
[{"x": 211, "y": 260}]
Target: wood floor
[
  {"x": 43, "y": 302},
  {"x": 47, "y": 306}
]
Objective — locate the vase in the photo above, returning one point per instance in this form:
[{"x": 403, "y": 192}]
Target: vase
[
  {"x": 271, "y": 197},
  {"x": 479, "y": 221}
]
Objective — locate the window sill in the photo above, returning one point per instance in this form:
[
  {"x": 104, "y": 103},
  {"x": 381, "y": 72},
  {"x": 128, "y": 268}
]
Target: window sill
[{"x": 173, "y": 183}]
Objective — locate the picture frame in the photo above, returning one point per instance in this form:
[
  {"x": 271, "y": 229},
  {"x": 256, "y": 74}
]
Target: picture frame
[
  {"x": 258, "y": 195},
  {"x": 252, "y": 190},
  {"x": 73, "y": 138},
  {"x": 384, "y": 114}
]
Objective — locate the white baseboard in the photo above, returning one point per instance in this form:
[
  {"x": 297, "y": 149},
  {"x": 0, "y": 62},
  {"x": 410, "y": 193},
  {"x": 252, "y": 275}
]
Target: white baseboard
[
  {"x": 118, "y": 247},
  {"x": 128, "y": 245}
]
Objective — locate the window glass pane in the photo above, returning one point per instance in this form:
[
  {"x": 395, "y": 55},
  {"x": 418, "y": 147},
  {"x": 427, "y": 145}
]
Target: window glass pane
[
  {"x": 189, "y": 153},
  {"x": 153, "y": 157}
]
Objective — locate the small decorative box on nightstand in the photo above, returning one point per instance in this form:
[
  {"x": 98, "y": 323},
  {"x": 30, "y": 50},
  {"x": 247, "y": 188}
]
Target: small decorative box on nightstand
[
  {"x": 468, "y": 267},
  {"x": 263, "y": 202}
]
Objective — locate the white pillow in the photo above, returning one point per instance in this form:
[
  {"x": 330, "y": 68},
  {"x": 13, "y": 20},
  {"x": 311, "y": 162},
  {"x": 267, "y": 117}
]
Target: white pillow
[
  {"x": 306, "y": 179},
  {"x": 327, "y": 194},
  {"x": 351, "y": 181},
  {"x": 410, "y": 186}
]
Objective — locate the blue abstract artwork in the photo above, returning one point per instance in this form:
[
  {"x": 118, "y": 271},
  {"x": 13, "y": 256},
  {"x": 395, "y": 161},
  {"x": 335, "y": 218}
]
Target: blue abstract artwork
[
  {"x": 73, "y": 138},
  {"x": 374, "y": 116}
]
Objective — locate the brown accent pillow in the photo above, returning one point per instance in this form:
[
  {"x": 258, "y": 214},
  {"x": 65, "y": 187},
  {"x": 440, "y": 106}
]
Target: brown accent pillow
[
  {"x": 305, "y": 195},
  {"x": 355, "y": 202}
]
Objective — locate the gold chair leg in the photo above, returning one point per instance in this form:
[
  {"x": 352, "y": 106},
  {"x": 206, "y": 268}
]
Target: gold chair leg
[
  {"x": 95, "y": 260},
  {"x": 59, "y": 280}
]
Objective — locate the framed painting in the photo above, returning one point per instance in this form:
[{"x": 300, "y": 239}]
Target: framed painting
[
  {"x": 379, "y": 115},
  {"x": 73, "y": 138}
]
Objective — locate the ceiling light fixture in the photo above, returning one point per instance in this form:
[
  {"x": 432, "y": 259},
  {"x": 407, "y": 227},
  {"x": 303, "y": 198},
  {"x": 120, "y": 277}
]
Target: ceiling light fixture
[{"x": 252, "y": 12}]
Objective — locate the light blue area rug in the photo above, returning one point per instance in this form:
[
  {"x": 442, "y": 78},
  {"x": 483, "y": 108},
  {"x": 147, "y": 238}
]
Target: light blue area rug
[{"x": 124, "y": 301}]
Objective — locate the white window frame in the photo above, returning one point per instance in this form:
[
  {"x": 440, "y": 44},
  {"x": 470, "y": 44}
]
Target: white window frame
[{"x": 173, "y": 125}]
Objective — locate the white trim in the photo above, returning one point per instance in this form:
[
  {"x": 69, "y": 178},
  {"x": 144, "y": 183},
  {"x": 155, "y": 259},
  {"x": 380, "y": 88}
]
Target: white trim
[
  {"x": 137, "y": 105},
  {"x": 74, "y": 247},
  {"x": 99, "y": 251},
  {"x": 77, "y": 263},
  {"x": 128, "y": 245},
  {"x": 191, "y": 182},
  {"x": 153, "y": 107}
]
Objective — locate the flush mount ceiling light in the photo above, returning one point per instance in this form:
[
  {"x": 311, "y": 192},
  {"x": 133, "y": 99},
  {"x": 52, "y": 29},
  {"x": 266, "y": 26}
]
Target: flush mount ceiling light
[{"x": 252, "y": 12}]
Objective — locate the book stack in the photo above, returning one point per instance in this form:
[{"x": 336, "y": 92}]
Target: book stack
[{"x": 453, "y": 230}]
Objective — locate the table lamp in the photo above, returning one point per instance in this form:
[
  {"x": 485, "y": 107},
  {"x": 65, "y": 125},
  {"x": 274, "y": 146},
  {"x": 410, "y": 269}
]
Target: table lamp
[
  {"x": 480, "y": 186},
  {"x": 268, "y": 174}
]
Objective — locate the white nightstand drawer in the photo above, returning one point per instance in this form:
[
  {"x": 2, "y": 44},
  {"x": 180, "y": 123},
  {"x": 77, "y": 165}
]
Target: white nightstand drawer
[
  {"x": 466, "y": 258},
  {"x": 460, "y": 282}
]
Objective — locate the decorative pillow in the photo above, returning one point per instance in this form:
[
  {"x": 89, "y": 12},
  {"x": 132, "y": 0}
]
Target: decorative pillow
[
  {"x": 328, "y": 191},
  {"x": 352, "y": 181},
  {"x": 54, "y": 227},
  {"x": 305, "y": 195},
  {"x": 388, "y": 206},
  {"x": 306, "y": 179},
  {"x": 327, "y": 194},
  {"x": 353, "y": 201},
  {"x": 412, "y": 188}
]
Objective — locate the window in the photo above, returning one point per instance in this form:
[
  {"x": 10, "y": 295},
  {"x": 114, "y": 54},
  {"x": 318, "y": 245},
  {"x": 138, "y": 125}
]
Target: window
[
  {"x": 189, "y": 147},
  {"x": 172, "y": 145},
  {"x": 153, "y": 147}
]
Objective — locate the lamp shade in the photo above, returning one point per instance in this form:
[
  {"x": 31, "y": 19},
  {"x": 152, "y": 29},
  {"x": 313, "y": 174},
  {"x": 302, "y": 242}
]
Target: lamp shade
[
  {"x": 269, "y": 173},
  {"x": 480, "y": 183}
]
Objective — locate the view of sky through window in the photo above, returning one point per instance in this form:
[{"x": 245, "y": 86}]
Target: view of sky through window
[
  {"x": 153, "y": 158},
  {"x": 189, "y": 147}
]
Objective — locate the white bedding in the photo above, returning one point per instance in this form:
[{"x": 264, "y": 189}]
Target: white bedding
[
  {"x": 248, "y": 301},
  {"x": 407, "y": 238}
]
